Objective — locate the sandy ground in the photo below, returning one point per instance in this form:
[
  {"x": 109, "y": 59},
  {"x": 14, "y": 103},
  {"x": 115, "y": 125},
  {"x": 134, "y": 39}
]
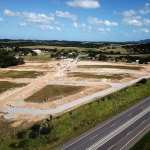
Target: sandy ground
[{"x": 55, "y": 72}]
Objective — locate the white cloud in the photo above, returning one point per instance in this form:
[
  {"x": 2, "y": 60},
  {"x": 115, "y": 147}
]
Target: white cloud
[
  {"x": 83, "y": 25},
  {"x": 50, "y": 28},
  {"x": 146, "y": 10},
  {"x": 143, "y": 12},
  {"x": 65, "y": 15},
  {"x": 92, "y": 20},
  {"x": 1, "y": 19},
  {"x": 146, "y": 22},
  {"x": 128, "y": 13},
  {"x": 132, "y": 22},
  {"x": 31, "y": 17},
  {"x": 58, "y": 23},
  {"x": 56, "y": 1},
  {"x": 22, "y": 24},
  {"x": 88, "y": 4},
  {"x": 108, "y": 23},
  {"x": 146, "y": 5},
  {"x": 103, "y": 31},
  {"x": 89, "y": 28},
  {"x": 58, "y": 29},
  {"x": 141, "y": 31},
  {"x": 115, "y": 13},
  {"x": 75, "y": 25}
]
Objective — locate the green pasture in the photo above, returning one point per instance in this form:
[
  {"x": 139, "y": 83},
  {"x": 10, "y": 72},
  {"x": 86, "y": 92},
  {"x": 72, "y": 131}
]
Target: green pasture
[
  {"x": 53, "y": 92},
  {"x": 110, "y": 66},
  {"x": 20, "y": 74},
  {"x": 97, "y": 76},
  {"x": 5, "y": 85},
  {"x": 38, "y": 58}
]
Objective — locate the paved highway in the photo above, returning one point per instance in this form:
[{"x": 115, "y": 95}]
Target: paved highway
[{"x": 111, "y": 133}]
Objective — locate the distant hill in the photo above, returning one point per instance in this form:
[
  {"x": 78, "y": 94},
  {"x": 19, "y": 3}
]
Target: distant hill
[
  {"x": 77, "y": 42},
  {"x": 144, "y": 41}
]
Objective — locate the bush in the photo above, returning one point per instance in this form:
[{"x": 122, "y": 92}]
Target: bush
[{"x": 142, "y": 81}]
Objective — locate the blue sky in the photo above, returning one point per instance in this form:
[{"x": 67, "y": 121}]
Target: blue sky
[{"x": 79, "y": 20}]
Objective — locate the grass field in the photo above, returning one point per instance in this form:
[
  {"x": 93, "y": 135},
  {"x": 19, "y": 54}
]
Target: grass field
[
  {"x": 96, "y": 76},
  {"x": 54, "y": 92},
  {"x": 118, "y": 49},
  {"x": 143, "y": 143},
  {"x": 110, "y": 66},
  {"x": 5, "y": 85},
  {"x": 71, "y": 124},
  {"x": 38, "y": 58},
  {"x": 20, "y": 74}
]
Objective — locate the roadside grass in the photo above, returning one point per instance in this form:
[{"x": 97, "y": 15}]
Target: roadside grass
[
  {"x": 20, "y": 74},
  {"x": 110, "y": 66},
  {"x": 75, "y": 122},
  {"x": 38, "y": 58},
  {"x": 5, "y": 85},
  {"x": 143, "y": 143},
  {"x": 97, "y": 76},
  {"x": 53, "y": 92}
]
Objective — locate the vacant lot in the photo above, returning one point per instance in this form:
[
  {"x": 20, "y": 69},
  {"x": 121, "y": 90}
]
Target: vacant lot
[
  {"x": 20, "y": 74},
  {"x": 98, "y": 76},
  {"x": 53, "y": 92},
  {"x": 5, "y": 85},
  {"x": 110, "y": 66}
]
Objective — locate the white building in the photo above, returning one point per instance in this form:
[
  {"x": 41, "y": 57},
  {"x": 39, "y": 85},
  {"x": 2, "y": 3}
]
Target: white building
[{"x": 39, "y": 52}]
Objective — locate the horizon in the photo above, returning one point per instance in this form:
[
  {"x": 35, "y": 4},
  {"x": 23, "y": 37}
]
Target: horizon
[{"x": 75, "y": 20}]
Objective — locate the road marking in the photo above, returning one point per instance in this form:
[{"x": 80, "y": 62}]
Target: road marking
[
  {"x": 142, "y": 106},
  {"x": 130, "y": 114},
  {"x": 143, "y": 122},
  {"x": 128, "y": 133},
  {"x": 110, "y": 147},
  {"x": 113, "y": 125},
  {"x": 94, "y": 137},
  {"x": 107, "y": 123},
  {"x": 135, "y": 136}
]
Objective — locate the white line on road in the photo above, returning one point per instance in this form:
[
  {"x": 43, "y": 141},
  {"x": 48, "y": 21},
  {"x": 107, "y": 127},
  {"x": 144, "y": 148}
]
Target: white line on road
[
  {"x": 130, "y": 114},
  {"x": 135, "y": 136},
  {"x": 110, "y": 147},
  {"x": 113, "y": 124},
  {"x": 94, "y": 137}
]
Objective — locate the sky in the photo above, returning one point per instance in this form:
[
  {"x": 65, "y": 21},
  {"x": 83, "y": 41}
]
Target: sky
[{"x": 75, "y": 20}]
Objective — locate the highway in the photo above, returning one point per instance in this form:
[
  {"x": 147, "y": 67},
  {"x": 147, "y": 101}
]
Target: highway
[{"x": 118, "y": 133}]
